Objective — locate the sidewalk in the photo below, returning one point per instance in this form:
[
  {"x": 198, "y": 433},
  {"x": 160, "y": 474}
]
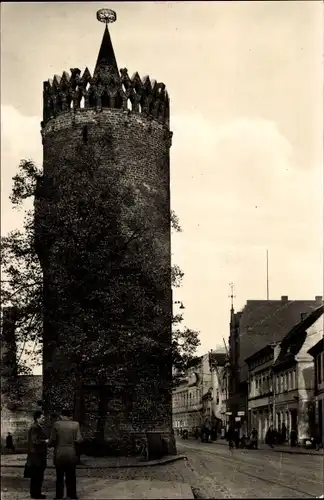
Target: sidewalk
[
  {"x": 144, "y": 488},
  {"x": 279, "y": 448},
  {"x": 94, "y": 462}
]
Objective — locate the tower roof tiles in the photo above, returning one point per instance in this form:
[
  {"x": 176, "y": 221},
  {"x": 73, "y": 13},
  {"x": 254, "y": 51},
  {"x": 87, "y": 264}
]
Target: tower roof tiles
[{"x": 106, "y": 60}]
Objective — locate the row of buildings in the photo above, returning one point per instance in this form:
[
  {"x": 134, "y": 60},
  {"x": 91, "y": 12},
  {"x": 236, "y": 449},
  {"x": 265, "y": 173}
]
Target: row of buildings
[{"x": 271, "y": 374}]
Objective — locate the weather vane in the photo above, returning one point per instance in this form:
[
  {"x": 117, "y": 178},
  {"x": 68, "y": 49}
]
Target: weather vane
[{"x": 106, "y": 16}]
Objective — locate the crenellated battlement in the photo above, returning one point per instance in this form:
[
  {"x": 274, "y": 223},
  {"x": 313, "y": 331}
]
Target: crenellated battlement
[{"x": 105, "y": 89}]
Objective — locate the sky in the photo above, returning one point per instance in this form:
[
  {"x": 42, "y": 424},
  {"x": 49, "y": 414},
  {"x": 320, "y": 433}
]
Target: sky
[{"x": 245, "y": 81}]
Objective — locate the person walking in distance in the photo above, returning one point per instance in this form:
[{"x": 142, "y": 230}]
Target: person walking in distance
[
  {"x": 254, "y": 438},
  {"x": 65, "y": 437},
  {"x": 37, "y": 455},
  {"x": 9, "y": 442}
]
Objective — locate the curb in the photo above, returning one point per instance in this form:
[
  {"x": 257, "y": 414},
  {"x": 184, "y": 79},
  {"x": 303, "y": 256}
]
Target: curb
[
  {"x": 274, "y": 450},
  {"x": 151, "y": 463},
  {"x": 289, "y": 452},
  {"x": 313, "y": 453}
]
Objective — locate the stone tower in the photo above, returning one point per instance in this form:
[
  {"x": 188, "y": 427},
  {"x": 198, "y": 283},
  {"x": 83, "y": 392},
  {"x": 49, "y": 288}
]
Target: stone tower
[{"x": 131, "y": 115}]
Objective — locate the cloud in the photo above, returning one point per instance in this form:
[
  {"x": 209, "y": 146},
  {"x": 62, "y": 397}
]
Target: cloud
[
  {"x": 237, "y": 191},
  {"x": 20, "y": 139}
]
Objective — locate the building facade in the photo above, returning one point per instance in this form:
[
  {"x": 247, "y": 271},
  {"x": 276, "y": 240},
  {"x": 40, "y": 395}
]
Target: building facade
[
  {"x": 260, "y": 395},
  {"x": 294, "y": 375},
  {"x": 260, "y": 323},
  {"x": 317, "y": 352},
  {"x": 217, "y": 404},
  {"x": 281, "y": 380},
  {"x": 123, "y": 124},
  {"x": 187, "y": 397}
]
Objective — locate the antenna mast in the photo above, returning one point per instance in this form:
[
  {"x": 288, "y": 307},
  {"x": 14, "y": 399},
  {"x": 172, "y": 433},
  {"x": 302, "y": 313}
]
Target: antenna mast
[
  {"x": 232, "y": 296},
  {"x": 267, "y": 275}
]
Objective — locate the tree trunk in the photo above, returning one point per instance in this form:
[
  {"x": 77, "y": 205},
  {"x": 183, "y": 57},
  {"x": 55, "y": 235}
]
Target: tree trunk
[
  {"x": 79, "y": 399},
  {"x": 102, "y": 413}
]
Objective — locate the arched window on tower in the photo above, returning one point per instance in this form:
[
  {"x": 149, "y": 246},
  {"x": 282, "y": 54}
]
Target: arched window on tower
[{"x": 105, "y": 101}]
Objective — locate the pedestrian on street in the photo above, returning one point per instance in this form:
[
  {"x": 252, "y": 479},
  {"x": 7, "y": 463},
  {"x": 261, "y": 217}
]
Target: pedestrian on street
[
  {"x": 319, "y": 444},
  {"x": 293, "y": 438},
  {"x": 283, "y": 433},
  {"x": 230, "y": 436},
  {"x": 9, "y": 442},
  {"x": 37, "y": 455},
  {"x": 65, "y": 438},
  {"x": 237, "y": 438},
  {"x": 254, "y": 438},
  {"x": 269, "y": 439}
]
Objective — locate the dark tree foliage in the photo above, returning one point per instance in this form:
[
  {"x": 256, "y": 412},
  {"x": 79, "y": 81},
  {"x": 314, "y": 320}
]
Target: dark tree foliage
[{"x": 81, "y": 228}]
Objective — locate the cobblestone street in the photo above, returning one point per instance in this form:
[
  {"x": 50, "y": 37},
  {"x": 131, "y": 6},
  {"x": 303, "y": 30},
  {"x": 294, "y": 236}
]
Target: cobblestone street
[
  {"x": 212, "y": 470},
  {"x": 253, "y": 474},
  {"x": 15, "y": 487}
]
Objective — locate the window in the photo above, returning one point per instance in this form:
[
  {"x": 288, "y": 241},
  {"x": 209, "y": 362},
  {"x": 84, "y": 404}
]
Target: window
[
  {"x": 285, "y": 382},
  {"x": 293, "y": 380},
  {"x": 263, "y": 378},
  {"x": 319, "y": 369},
  {"x": 281, "y": 383},
  {"x": 270, "y": 383},
  {"x": 251, "y": 384}
]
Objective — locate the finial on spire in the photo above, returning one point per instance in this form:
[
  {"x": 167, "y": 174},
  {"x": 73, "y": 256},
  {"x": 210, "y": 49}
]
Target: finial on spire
[
  {"x": 106, "y": 16},
  {"x": 106, "y": 59}
]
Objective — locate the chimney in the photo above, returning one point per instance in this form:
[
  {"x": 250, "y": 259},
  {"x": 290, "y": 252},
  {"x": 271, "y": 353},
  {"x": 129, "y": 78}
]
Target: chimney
[
  {"x": 319, "y": 299},
  {"x": 284, "y": 298}
]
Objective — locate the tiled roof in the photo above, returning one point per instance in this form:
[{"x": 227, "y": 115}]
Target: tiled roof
[
  {"x": 218, "y": 357},
  {"x": 266, "y": 321},
  {"x": 295, "y": 338}
]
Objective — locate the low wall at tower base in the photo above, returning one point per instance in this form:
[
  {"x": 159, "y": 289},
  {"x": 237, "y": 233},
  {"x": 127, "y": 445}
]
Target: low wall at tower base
[
  {"x": 147, "y": 445},
  {"x": 17, "y": 419}
]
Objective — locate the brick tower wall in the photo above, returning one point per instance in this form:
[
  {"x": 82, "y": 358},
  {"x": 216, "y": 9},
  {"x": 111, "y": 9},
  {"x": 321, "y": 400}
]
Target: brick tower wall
[{"x": 140, "y": 144}]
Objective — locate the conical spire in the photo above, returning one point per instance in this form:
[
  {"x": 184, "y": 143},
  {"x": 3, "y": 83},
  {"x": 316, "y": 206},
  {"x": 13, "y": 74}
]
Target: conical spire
[{"x": 106, "y": 58}]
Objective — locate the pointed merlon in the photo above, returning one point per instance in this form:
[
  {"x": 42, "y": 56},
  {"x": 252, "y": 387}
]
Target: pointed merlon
[{"x": 106, "y": 58}]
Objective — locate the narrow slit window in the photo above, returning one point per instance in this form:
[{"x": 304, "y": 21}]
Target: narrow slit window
[{"x": 85, "y": 134}]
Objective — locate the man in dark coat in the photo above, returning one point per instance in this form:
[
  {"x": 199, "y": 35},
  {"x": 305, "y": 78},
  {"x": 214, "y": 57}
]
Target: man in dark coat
[
  {"x": 283, "y": 433},
  {"x": 9, "y": 442},
  {"x": 37, "y": 455},
  {"x": 269, "y": 439},
  {"x": 65, "y": 436}
]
